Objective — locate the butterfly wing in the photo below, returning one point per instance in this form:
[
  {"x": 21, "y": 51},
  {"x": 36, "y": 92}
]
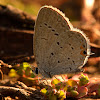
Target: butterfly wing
[{"x": 58, "y": 47}]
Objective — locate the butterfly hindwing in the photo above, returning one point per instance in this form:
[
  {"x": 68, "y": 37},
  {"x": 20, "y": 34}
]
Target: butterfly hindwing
[{"x": 58, "y": 47}]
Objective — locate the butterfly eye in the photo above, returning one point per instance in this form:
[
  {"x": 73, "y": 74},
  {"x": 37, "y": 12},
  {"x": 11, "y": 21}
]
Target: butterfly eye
[{"x": 36, "y": 70}]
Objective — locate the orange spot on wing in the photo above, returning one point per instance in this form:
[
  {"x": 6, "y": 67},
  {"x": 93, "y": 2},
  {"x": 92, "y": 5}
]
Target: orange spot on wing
[
  {"x": 81, "y": 47},
  {"x": 82, "y": 53}
]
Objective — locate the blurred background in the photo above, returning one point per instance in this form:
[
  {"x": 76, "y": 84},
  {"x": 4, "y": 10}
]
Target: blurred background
[
  {"x": 73, "y": 9},
  {"x": 17, "y": 19}
]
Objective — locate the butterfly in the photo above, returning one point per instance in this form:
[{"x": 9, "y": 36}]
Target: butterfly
[{"x": 59, "y": 48}]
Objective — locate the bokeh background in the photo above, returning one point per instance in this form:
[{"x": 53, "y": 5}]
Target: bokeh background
[{"x": 17, "y": 19}]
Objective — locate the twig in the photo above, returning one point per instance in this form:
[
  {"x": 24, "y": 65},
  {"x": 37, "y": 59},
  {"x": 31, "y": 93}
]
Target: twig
[
  {"x": 20, "y": 90},
  {"x": 4, "y": 64},
  {"x": 17, "y": 14}
]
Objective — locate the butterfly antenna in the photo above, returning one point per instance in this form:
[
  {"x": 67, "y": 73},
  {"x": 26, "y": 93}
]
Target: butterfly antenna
[
  {"x": 45, "y": 80},
  {"x": 56, "y": 78},
  {"x": 62, "y": 77}
]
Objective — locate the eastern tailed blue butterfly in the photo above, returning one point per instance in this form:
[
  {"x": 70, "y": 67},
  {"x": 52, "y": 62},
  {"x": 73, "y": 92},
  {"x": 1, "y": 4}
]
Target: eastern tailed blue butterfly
[{"x": 58, "y": 47}]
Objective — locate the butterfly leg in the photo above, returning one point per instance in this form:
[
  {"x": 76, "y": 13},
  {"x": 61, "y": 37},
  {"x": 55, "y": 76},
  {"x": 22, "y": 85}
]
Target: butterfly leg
[{"x": 62, "y": 77}]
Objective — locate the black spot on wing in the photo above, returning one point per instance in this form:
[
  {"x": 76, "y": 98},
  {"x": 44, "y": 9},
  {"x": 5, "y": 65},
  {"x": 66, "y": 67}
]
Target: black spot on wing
[
  {"x": 53, "y": 30},
  {"x": 68, "y": 58},
  {"x": 84, "y": 52},
  {"x": 58, "y": 43},
  {"x": 52, "y": 53},
  {"x": 72, "y": 47},
  {"x": 58, "y": 61},
  {"x": 49, "y": 27},
  {"x": 56, "y": 34},
  {"x": 45, "y": 24}
]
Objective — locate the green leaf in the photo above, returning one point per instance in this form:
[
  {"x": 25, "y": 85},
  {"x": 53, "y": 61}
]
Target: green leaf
[
  {"x": 64, "y": 86},
  {"x": 28, "y": 71},
  {"x": 61, "y": 94},
  {"x": 44, "y": 91},
  {"x": 25, "y": 65},
  {"x": 73, "y": 93},
  {"x": 55, "y": 81},
  {"x": 58, "y": 86},
  {"x": 12, "y": 73},
  {"x": 32, "y": 75},
  {"x": 52, "y": 97},
  {"x": 72, "y": 83},
  {"x": 99, "y": 90},
  {"x": 83, "y": 80}
]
